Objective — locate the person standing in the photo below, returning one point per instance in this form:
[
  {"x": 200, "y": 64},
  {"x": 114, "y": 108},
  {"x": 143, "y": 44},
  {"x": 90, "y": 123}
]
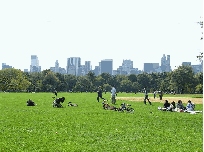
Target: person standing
[
  {"x": 113, "y": 92},
  {"x": 55, "y": 92},
  {"x": 100, "y": 94},
  {"x": 155, "y": 92},
  {"x": 161, "y": 95},
  {"x": 146, "y": 98}
]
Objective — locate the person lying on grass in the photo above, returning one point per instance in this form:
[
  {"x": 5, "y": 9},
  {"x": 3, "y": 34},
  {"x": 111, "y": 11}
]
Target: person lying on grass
[
  {"x": 30, "y": 103},
  {"x": 106, "y": 106},
  {"x": 73, "y": 105}
]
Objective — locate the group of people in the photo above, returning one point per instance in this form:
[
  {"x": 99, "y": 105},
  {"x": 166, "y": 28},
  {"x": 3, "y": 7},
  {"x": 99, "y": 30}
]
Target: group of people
[
  {"x": 177, "y": 107},
  {"x": 113, "y": 94}
]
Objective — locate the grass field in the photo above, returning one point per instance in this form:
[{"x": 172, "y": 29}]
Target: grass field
[{"x": 88, "y": 127}]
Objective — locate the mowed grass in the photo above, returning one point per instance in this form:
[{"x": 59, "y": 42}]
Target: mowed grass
[
  {"x": 157, "y": 95},
  {"x": 88, "y": 127}
]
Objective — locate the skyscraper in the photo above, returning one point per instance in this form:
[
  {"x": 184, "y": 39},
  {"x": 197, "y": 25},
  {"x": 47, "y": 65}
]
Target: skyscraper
[
  {"x": 127, "y": 65},
  {"x": 34, "y": 67},
  {"x": 107, "y": 66},
  {"x": 56, "y": 66},
  {"x": 73, "y": 65},
  {"x": 165, "y": 63},
  {"x": 150, "y": 67},
  {"x": 87, "y": 67}
]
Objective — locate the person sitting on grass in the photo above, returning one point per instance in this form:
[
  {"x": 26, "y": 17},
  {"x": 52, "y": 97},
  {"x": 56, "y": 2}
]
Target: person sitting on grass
[
  {"x": 173, "y": 106},
  {"x": 166, "y": 104},
  {"x": 179, "y": 105},
  {"x": 190, "y": 106}
]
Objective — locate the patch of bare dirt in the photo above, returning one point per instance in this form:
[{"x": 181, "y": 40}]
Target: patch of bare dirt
[{"x": 170, "y": 99}]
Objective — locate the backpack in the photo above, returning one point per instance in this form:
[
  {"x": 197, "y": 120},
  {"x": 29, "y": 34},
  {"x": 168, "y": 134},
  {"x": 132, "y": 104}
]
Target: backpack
[{"x": 193, "y": 105}]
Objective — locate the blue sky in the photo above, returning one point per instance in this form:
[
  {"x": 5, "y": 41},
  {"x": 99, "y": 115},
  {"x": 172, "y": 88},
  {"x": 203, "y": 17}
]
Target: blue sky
[{"x": 95, "y": 30}]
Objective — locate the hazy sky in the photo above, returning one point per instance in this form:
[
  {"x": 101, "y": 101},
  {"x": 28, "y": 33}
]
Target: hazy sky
[{"x": 140, "y": 30}]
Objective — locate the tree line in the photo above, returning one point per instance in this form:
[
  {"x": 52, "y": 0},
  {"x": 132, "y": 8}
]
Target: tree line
[{"x": 181, "y": 80}]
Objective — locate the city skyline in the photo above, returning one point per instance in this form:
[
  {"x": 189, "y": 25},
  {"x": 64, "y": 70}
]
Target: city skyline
[
  {"x": 75, "y": 67},
  {"x": 95, "y": 30}
]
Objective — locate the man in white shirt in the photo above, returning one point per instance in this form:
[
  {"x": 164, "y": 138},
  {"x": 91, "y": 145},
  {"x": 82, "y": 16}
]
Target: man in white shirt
[{"x": 113, "y": 92}]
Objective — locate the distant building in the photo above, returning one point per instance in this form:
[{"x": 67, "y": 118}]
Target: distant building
[
  {"x": 56, "y": 66},
  {"x": 62, "y": 70},
  {"x": 99, "y": 68},
  {"x": 186, "y": 63},
  {"x": 73, "y": 65},
  {"x": 107, "y": 66},
  {"x": 4, "y": 66},
  {"x": 26, "y": 70},
  {"x": 158, "y": 70},
  {"x": 96, "y": 70},
  {"x": 87, "y": 67},
  {"x": 150, "y": 67},
  {"x": 119, "y": 70},
  {"x": 134, "y": 71},
  {"x": 58, "y": 69},
  {"x": 126, "y": 66},
  {"x": 165, "y": 63},
  {"x": 115, "y": 72},
  {"x": 34, "y": 67},
  {"x": 52, "y": 69},
  {"x": 196, "y": 68}
]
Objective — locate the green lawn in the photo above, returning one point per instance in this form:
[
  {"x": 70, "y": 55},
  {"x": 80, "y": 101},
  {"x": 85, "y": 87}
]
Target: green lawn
[
  {"x": 88, "y": 127},
  {"x": 164, "y": 95}
]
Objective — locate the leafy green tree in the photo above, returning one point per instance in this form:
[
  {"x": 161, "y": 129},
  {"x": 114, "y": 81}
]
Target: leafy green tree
[
  {"x": 199, "y": 88},
  {"x": 135, "y": 87},
  {"x": 132, "y": 77},
  {"x": 91, "y": 76},
  {"x": 113, "y": 81},
  {"x": 50, "y": 82},
  {"x": 107, "y": 87},
  {"x": 126, "y": 85},
  {"x": 99, "y": 82},
  {"x": 70, "y": 81},
  {"x": 106, "y": 76},
  {"x": 13, "y": 80},
  {"x": 182, "y": 79},
  {"x": 143, "y": 81},
  {"x": 82, "y": 84},
  {"x": 35, "y": 78}
]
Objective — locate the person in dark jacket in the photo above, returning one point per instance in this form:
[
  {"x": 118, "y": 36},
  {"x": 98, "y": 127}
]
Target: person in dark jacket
[
  {"x": 166, "y": 104},
  {"x": 100, "y": 94},
  {"x": 30, "y": 103},
  {"x": 146, "y": 98}
]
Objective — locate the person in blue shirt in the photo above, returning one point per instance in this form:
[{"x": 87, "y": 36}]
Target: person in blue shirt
[{"x": 190, "y": 106}]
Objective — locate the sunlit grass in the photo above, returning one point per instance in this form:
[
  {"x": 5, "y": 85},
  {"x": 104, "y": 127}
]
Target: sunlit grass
[{"x": 88, "y": 127}]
